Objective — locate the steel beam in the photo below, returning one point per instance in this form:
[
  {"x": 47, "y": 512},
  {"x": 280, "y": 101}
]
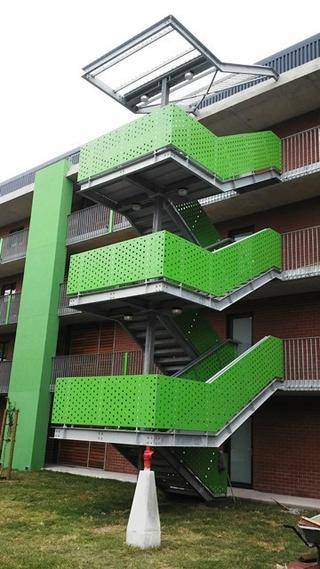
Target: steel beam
[
  {"x": 174, "y": 438},
  {"x": 160, "y": 286}
]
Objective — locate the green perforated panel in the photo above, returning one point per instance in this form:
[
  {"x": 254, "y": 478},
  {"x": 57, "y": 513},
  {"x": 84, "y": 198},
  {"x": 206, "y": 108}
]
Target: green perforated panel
[
  {"x": 164, "y": 254},
  {"x": 197, "y": 330},
  {"x": 199, "y": 223},
  {"x": 157, "y": 401},
  {"x": 209, "y": 366},
  {"x": 210, "y": 465},
  {"x": 225, "y": 157}
]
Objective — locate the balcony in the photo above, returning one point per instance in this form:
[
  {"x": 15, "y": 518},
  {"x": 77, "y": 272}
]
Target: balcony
[
  {"x": 114, "y": 363},
  {"x": 14, "y": 246},
  {"x": 301, "y": 153},
  {"x": 9, "y": 309},
  {"x": 301, "y": 253},
  {"x": 5, "y": 370},
  {"x": 302, "y": 364},
  {"x": 93, "y": 222}
]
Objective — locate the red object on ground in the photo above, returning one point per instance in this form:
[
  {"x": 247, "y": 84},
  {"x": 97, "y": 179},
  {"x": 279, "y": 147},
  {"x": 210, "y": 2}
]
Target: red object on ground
[{"x": 147, "y": 456}]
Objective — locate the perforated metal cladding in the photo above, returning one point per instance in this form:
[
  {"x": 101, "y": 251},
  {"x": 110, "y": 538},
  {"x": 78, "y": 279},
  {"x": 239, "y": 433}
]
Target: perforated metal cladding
[
  {"x": 197, "y": 330},
  {"x": 171, "y": 126},
  {"x": 125, "y": 401},
  {"x": 164, "y": 254},
  {"x": 250, "y": 152},
  {"x": 209, "y": 465},
  {"x": 161, "y": 402},
  {"x": 221, "y": 271},
  {"x": 118, "y": 264},
  {"x": 199, "y": 223},
  {"x": 203, "y": 370}
]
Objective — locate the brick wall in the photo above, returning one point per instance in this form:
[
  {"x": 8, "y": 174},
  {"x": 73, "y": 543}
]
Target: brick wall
[
  {"x": 94, "y": 455},
  {"x": 286, "y": 218},
  {"x": 286, "y": 457},
  {"x": 291, "y": 316},
  {"x": 95, "y": 338}
]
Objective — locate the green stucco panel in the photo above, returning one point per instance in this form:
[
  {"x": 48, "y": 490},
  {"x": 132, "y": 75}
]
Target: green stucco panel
[{"x": 38, "y": 323}]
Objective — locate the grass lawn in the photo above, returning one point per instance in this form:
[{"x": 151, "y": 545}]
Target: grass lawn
[{"x": 57, "y": 520}]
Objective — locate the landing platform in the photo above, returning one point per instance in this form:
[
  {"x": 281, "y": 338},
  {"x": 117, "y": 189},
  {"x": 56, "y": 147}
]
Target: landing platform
[{"x": 163, "y": 173}]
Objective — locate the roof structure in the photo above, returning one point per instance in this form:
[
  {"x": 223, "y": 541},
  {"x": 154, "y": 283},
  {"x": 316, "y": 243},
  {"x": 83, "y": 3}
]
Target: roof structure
[{"x": 166, "y": 64}]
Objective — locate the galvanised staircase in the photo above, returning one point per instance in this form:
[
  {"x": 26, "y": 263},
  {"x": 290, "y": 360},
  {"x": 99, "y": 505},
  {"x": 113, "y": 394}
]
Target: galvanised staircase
[{"x": 194, "y": 391}]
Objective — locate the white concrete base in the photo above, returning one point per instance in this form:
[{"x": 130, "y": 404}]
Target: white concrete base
[{"x": 143, "y": 528}]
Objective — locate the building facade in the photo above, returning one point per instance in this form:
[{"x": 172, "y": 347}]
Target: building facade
[{"x": 45, "y": 221}]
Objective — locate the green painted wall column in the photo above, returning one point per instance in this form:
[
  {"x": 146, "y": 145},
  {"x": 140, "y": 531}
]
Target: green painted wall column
[{"x": 38, "y": 323}]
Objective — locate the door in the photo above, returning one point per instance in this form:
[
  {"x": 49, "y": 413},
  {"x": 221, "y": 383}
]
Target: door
[
  {"x": 241, "y": 332},
  {"x": 241, "y": 441}
]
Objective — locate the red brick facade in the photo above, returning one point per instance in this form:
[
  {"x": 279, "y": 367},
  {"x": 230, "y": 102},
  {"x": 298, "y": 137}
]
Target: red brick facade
[
  {"x": 94, "y": 455},
  {"x": 286, "y": 442}
]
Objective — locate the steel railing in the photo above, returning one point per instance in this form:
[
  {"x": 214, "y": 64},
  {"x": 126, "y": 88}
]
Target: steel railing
[
  {"x": 5, "y": 370},
  {"x": 92, "y": 222},
  {"x": 301, "y": 150},
  {"x": 81, "y": 365},
  {"x": 301, "y": 249},
  {"x": 120, "y": 222},
  {"x": 9, "y": 308},
  {"x": 302, "y": 358},
  {"x": 88, "y": 223},
  {"x": 14, "y": 246}
]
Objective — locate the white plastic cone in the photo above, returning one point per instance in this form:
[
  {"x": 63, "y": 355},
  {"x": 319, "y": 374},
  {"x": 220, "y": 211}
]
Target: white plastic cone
[{"x": 143, "y": 528}]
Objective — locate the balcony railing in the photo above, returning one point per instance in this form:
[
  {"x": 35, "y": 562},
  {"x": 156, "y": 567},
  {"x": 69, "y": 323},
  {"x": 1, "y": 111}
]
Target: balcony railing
[
  {"x": 301, "y": 250},
  {"x": 302, "y": 360},
  {"x": 301, "y": 152},
  {"x": 5, "y": 370},
  {"x": 14, "y": 246},
  {"x": 92, "y": 222},
  {"x": 9, "y": 308},
  {"x": 114, "y": 363},
  {"x": 88, "y": 223}
]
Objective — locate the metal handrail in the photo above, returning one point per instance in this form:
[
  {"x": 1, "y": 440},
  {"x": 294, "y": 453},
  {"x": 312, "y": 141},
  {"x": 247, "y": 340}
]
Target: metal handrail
[
  {"x": 301, "y": 248},
  {"x": 109, "y": 363},
  {"x": 204, "y": 356},
  {"x": 302, "y": 358},
  {"x": 301, "y": 149},
  {"x": 88, "y": 223}
]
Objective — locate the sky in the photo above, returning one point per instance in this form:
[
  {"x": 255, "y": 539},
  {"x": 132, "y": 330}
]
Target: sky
[{"x": 46, "y": 108}]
